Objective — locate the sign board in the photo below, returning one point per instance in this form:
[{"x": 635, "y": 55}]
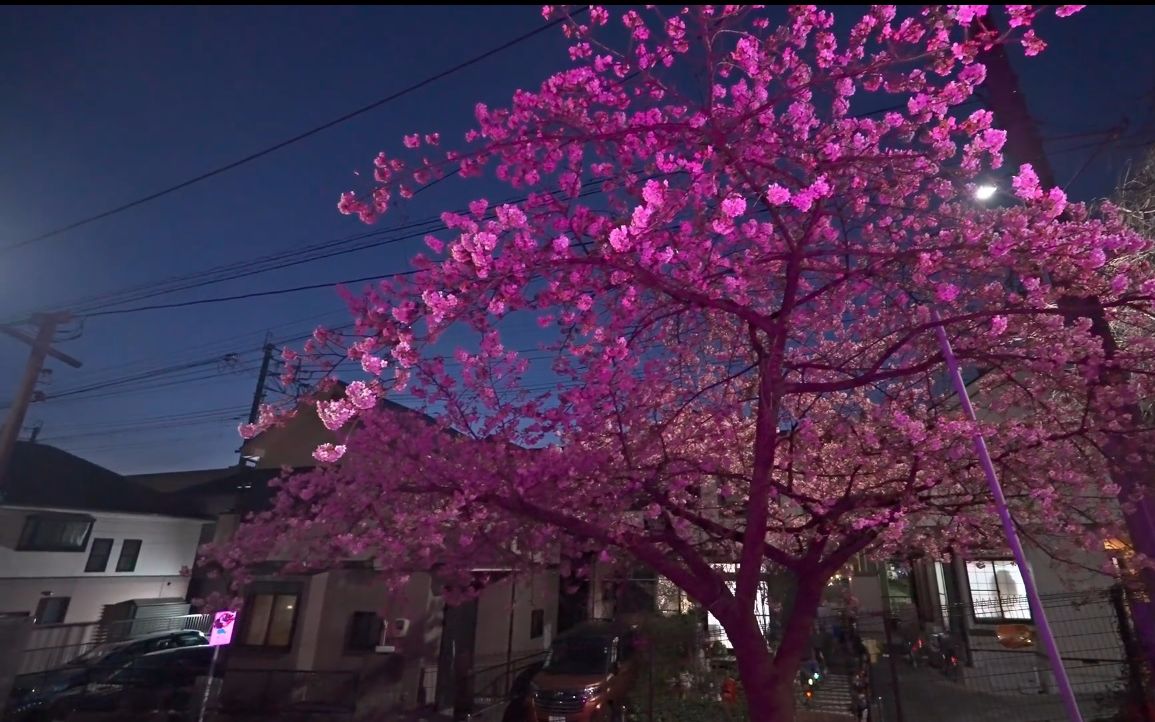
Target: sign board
[{"x": 222, "y": 629}]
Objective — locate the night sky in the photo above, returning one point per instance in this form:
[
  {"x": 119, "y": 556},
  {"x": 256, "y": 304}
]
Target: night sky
[{"x": 104, "y": 105}]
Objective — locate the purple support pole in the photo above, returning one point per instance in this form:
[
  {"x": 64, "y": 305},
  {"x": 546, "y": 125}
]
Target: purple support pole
[{"x": 1037, "y": 611}]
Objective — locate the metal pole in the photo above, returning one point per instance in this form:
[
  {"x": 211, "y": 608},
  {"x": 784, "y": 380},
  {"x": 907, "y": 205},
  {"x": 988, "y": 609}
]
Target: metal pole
[
  {"x": 509, "y": 636},
  {"x": 892, "y": 663},
  {"x": 209, "y": 683},
  {"x": 1037, "y": 611}
]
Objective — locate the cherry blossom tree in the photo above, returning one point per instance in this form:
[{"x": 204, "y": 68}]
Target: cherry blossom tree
[{"x": 735, "y": 226}]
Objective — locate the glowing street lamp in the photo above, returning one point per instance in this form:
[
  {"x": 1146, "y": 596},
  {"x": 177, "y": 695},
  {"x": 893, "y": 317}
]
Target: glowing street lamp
[{"x": 985, "y": 192}]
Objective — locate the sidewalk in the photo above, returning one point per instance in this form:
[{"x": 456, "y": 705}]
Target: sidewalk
[{"x": 927, "y": 695}]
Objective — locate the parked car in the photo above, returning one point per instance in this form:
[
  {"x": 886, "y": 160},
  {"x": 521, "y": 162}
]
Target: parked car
[
  {"x": 34, "y": 692},
  {"x": 587, "y": 676},
  {"x": 159, "y": 682}
]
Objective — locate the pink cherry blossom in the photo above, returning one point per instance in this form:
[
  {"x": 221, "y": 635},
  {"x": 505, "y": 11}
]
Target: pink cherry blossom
[
  {"x": 329, "y": 453},
  {"x": 1026, "y": 184},
  {"x": 733, "y": 330},
  {"x": 734, "y": 206}
]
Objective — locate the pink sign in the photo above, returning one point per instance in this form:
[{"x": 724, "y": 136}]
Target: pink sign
[{"x": 222, "y": 630}]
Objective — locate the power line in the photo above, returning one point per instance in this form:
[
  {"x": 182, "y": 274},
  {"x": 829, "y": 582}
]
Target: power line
[
  {"x": 308, "y": 254},
  {"x": 292, "y": 140},
  {"x": 243, "y": 296}
]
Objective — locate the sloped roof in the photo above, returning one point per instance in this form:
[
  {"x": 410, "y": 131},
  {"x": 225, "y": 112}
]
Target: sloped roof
[
  {"x": 44, "y": 476},
  {"x": 248, "y": 487}
]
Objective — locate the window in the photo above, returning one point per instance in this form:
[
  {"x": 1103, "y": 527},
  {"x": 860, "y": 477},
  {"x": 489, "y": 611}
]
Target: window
[
  {"x": 51, "y": 610},
  {"x": 997, "y": 591},
  {"x": 129, "y": 552},
  {"x": 364, "y": 632},
  {"x": 55, "y": 533},
  {"x": 269, "y": 620},
  {"x": 537, "y": 624},
  {"x": 98, "y": 555},
  {"x": 943, "y": 597}
]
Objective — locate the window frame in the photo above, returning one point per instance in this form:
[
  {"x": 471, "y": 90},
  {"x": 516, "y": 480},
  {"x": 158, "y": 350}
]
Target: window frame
[
  {"x": 1002, "y": 618},
  {"x": 121, "y": 566},
  {"x": 26, "y": 542},
  {"x": 247, "y": 619},
  {"x": 89, "y": 568}
]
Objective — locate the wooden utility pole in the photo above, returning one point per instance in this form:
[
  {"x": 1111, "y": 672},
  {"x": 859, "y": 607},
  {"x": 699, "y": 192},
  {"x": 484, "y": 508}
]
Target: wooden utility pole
[
  {"x": 41, "y": 344},
  {"x": 259, "y": 392},
  {"x": 1005, "y": 98}
]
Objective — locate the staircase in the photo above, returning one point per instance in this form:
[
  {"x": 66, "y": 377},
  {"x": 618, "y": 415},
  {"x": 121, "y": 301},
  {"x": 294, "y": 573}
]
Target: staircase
[{"x": 832, "y": 694}]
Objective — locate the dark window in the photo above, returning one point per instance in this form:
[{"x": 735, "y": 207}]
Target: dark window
[
  {"x": 129, "y": 552},
  {"x": 208, "y": 531},
  {"x": 98, "y": 555},
  {"x": 55, "y": 533},
  {"x": 364, "y": 632},
  {"x": 269, "y": 620},
  {"x": 626, "y": 646},
  {"x": 51, "y": 610},
  {"x": 536, "y": 623}
]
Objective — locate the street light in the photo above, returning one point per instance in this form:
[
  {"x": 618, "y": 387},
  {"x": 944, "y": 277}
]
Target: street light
[{"x": 985, "y": 191}]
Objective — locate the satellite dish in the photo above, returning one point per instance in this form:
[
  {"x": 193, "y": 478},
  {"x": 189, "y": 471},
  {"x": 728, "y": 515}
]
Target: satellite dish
[{"x": 1015, "y": 636}]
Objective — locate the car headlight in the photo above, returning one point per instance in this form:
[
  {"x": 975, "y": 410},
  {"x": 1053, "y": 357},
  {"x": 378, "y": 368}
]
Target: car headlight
[{"x": 592, "y": 691}]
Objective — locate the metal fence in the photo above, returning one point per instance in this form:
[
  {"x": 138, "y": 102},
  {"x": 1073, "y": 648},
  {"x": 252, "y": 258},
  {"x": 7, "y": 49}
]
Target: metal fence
[
  {"x": 53, "y": 645},
  {"x": 252, "y": 695},
  {"x": 964, "y": 673}
]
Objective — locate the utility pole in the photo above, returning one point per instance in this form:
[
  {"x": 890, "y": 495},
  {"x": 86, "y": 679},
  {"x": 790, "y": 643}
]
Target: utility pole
[
  {"x": 259, "y": 391},
  {"x": 41, "y": 345},
  {"x": 1006, "y": 100}
]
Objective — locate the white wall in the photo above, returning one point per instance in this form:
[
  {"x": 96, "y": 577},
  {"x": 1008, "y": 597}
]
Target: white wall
[
  {"x": 88, "y": 596},
  {"x": 167, "y": 545}
]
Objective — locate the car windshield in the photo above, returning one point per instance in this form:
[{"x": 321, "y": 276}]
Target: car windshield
[{"x": 578, "y": 656}]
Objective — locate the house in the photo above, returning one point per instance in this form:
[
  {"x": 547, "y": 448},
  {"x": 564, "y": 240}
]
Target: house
[
  {"x": 398, "y": 648},
  {"x": 981, "y": 601},
  {"x": 78, "y": 543}
]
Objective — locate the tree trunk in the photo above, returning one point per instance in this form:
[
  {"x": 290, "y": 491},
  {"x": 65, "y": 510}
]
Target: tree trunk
[
  {"x": 768, "y": 687},
  {"x": 768, "y": 680}
]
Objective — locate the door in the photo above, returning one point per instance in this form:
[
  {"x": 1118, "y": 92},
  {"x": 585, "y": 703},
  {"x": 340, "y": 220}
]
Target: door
[{"x": 455, "y": 658}]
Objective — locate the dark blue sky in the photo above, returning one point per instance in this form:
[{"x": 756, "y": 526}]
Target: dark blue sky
[{"x": 102, "y": 105}]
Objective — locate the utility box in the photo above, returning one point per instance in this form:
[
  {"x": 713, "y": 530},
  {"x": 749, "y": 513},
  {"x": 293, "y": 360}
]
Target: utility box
[{"x": 139, "y": 617}]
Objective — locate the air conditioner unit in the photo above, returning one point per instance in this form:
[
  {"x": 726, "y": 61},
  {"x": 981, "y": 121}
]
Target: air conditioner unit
[
  {"x": 397, "y": 628},
  {"x": 393, "y": 630}
]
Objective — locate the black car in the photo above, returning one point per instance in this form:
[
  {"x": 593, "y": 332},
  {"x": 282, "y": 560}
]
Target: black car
[
  {"x": 163, "y": 681},
  {"x": 32, "y": 693}
]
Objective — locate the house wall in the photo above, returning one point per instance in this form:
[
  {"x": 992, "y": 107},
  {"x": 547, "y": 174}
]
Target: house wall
[
  {"x": 325, "y": 609},
  {"x": 291, "y": 444},
  {"x": 167, "y": 545},
  {"x": 494, "y": 616},
  {"x": 1080, "y": 615}
]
